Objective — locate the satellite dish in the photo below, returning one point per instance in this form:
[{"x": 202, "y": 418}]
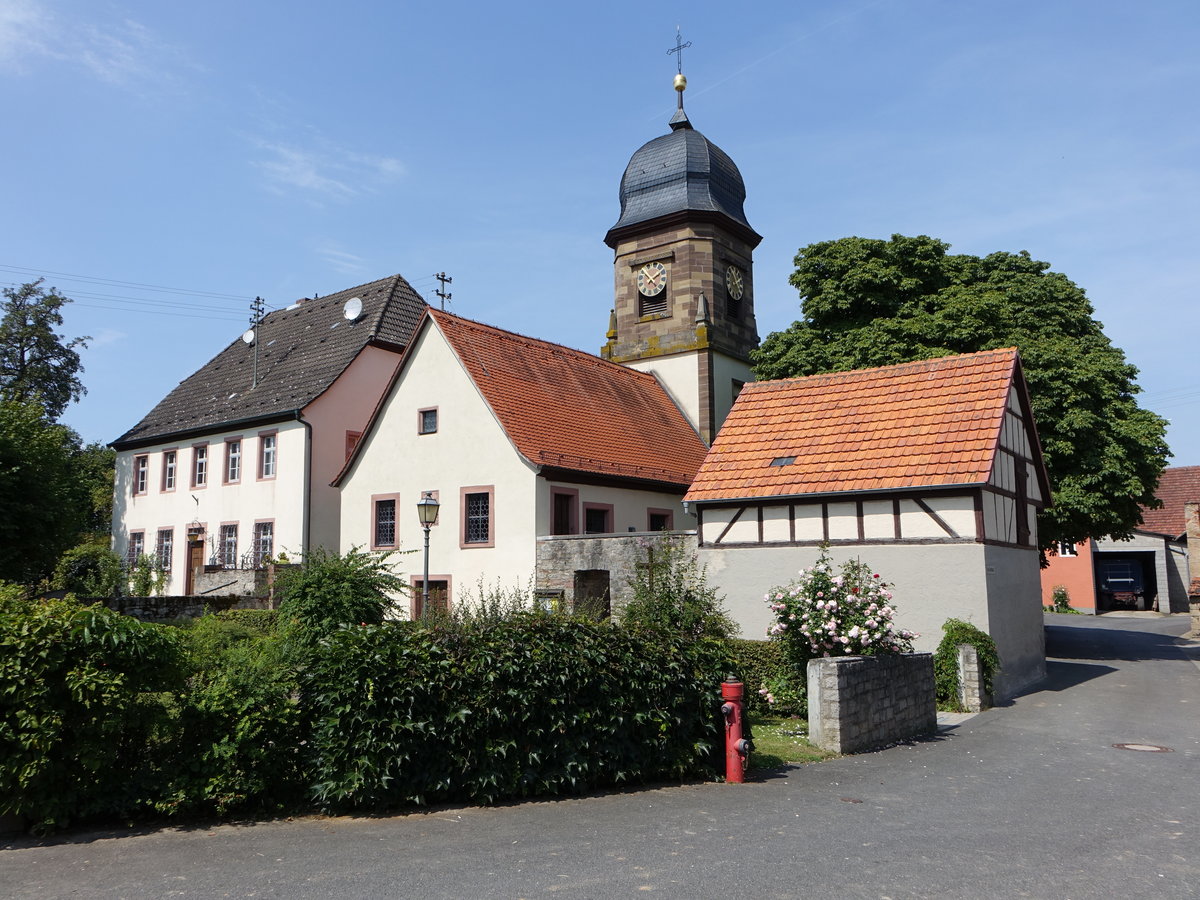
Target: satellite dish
[
  {"x": 353, "y": 309},
  {"x": 248, "y": 337}
]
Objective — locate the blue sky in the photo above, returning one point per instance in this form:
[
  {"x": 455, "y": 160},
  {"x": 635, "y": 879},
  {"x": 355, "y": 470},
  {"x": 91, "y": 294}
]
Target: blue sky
[{"x": 230, "y": 149}]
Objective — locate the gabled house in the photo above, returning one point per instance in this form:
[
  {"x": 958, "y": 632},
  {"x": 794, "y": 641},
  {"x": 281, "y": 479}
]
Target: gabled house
[
  {"x": 929, "y": 471},
  {"x": 515, "y": 438},
  {"x": 1150, "y": 571},
  {"x": 233, "y": 465}
]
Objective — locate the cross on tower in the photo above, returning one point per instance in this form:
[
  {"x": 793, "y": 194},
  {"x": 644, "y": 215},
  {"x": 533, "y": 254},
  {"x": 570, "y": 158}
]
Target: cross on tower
[{"x": 679, "y": 48}]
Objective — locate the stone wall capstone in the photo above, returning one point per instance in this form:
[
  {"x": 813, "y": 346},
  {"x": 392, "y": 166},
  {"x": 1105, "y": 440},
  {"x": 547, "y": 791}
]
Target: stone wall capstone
[{"x": 858, "y": 703}]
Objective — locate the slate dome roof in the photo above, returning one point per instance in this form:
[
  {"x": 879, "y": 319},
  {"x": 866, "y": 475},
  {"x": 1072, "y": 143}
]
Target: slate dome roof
[{"x": 682, "y": 171}]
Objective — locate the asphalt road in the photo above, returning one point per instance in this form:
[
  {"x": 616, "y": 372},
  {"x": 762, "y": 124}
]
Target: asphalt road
[{"x": 1028, "y": 800}]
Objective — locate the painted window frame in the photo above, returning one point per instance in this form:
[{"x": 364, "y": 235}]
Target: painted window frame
[
  {"x": 574, "y": 516},
  {"x": 224, "y": 561},
  {"x": 261, "y": 462},
  {"x": 200, "y": 456},
  {"x": 171, "y": 468},
  {"x": 609, "y": 517},
  {"x": 234, "y": 456},
  {"x": 463, "y": 493},
  {"x": 376, "y": 499},
  {"x": 421, "y": 429},
  {"x": 131, "y": 558},
  {"x": 415, "y": 583},
  {"x": 651, "y": 512},
  {"x": 256, "y": 541},
  {"x": 141, "y": 475},
  {"x": 164, "y": 564},
  {"x": 352, "y": 439},
  {"x": 1066, "y": 549}
]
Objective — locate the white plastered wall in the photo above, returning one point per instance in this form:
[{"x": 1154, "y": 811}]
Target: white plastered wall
[
  {"x": 251, "y": 499},
  {"x": 469, "y": 449},
  {"x": 630, "y": 506},
  {"x": 680, "y": 375},
  {"x": 995, "y": 588},
  {"x": 726, "y": 370}
]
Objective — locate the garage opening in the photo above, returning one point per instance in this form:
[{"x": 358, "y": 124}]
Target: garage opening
[{"x": 1125, "y": 580}]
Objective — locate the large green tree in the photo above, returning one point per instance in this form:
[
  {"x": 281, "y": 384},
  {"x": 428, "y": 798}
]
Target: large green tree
[
  {"x": 43, "y": 501},
  {"x": 36, "y": 362},
  {"x": 874, "y": 302}
]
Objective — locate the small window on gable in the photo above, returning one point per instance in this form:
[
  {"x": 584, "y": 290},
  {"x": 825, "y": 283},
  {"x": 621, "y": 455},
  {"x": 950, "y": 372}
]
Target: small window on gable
[
  {"x": 233, "y": 462},
  {"x": 352, "y": 439},
  {"x": 385, "y": 523},
  {"x": 169, "y": 463},
  {"x": 141, "y": 474},
  {"x": 268, "y": 455},
  {"x": 427, "y": 421}
]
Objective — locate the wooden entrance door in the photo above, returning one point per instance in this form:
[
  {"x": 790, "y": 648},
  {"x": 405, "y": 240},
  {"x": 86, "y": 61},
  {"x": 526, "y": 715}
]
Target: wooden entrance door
[{"x": 195, "y": 559}]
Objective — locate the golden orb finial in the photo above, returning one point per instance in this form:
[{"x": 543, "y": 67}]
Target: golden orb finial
[{"x": 681, "y": 82}]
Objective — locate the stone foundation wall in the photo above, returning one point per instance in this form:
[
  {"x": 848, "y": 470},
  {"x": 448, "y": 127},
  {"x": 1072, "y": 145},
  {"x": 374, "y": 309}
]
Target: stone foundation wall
[
  {"x": 858, "y": 703},
  {"x": 162, "y": 609},
  {"x": 561, "y": 556}
]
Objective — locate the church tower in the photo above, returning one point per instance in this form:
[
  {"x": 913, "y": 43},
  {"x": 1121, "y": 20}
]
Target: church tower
[{"x": 684, "y": 299}]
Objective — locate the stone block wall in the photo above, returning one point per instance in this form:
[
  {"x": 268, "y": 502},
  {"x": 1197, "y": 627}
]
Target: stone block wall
[
  {"x": 164, "y": 609},
  {"x": 858, "y": 703},
  {"x": 561, "y": 556}
]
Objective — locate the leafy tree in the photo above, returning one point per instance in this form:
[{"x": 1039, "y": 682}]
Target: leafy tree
[
  {"x": 40, "y": 504},
  {"x": 94, "y": 466},
  {"x": 874, "y": 302},
  {"x": 37, "y": 363},
  {"x": 90, "y": 570}
]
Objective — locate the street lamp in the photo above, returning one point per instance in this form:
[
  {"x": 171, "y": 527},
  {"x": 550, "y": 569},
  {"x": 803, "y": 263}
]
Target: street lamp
[{"x": 427, "y": 513}]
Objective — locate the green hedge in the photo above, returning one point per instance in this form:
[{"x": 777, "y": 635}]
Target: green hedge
[
  {"x": 84, "y": 709},
  {"x": 945, "y": 660},
  {"x": 102, "y": 715},
  {"x": 756, "y": 662},
  {"x": 532, "y": 705}
]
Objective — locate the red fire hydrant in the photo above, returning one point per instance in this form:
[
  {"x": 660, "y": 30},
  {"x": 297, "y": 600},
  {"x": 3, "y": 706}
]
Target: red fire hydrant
[{"x": 737, "y": 748}]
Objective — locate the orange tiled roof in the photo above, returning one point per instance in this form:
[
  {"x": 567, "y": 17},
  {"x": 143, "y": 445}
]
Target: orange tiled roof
[
  {"x": 1177, "y": 486},
  {"x": 568, "y": 409},
  {"x": 933, "y": 423}
]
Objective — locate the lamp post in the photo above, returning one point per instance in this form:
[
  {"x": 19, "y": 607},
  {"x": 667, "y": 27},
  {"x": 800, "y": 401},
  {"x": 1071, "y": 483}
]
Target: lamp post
[{"x": 427, "y": 514}]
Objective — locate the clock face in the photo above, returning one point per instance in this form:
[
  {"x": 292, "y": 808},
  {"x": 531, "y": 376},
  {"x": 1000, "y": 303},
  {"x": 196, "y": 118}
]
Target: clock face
[
  {"x": 651, "y": 279},
  {"x": 734, "y": 283}
]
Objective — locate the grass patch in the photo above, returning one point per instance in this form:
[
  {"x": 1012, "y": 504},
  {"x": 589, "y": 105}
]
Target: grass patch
[{"x": 779, "y": 740}]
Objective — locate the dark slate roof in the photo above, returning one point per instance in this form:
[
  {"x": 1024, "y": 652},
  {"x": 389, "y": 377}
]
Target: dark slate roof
[
  {"x": 302, "y": 350},
  {"x": 680, "y": 172}
]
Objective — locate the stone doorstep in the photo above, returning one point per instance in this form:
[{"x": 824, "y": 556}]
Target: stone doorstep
[{"x": 948, "y": 721}]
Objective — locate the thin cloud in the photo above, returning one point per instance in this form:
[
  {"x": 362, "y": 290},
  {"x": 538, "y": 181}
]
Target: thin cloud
[
  {"x": 341, "y": 260},
  {"x": 123, "y": 53},
  {"x": 326, "y": 171}
]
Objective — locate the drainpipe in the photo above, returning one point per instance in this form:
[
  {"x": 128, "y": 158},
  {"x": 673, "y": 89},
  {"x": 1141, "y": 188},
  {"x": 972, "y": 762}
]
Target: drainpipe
[{"x": 306, "y": 517}]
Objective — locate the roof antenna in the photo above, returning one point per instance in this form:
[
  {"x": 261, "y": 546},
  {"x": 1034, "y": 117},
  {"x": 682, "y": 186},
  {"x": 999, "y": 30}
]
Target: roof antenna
[
  {"x": 251, "y": 336},
  {"x": 680, "y": 119},
  {"x": 441, "y": 292}
]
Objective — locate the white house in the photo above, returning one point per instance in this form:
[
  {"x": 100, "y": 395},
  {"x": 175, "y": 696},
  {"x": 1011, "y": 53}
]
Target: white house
[
  {"x": 930, "y": 472},
  {"x": 515, "y": 438},
  {"x": 234, "y": 464}
]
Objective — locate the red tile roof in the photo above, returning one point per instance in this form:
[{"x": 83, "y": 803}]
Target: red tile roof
[
  {"x": 563, "y": 408},
  {"x": 1177, "y": 486},
  {"x": 934, "y": 423}
]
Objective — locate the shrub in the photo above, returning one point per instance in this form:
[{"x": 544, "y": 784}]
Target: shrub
[
  {"x": 260, "y": 621},
  {"x": 945, "y": 660},
  {"x": 147, "y": 576},
  {"x": 672, "y": 592},
  {"x": 238, "y": 731},
  {"x": 330, "y": 590},
  {"x": 80, "y": 722},
  {"x": 534, "y": 704},
  {"x": 1060, "y": 601},
  {"x": 90, "y": 570},
  {"x": 823, "y": 613}
]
